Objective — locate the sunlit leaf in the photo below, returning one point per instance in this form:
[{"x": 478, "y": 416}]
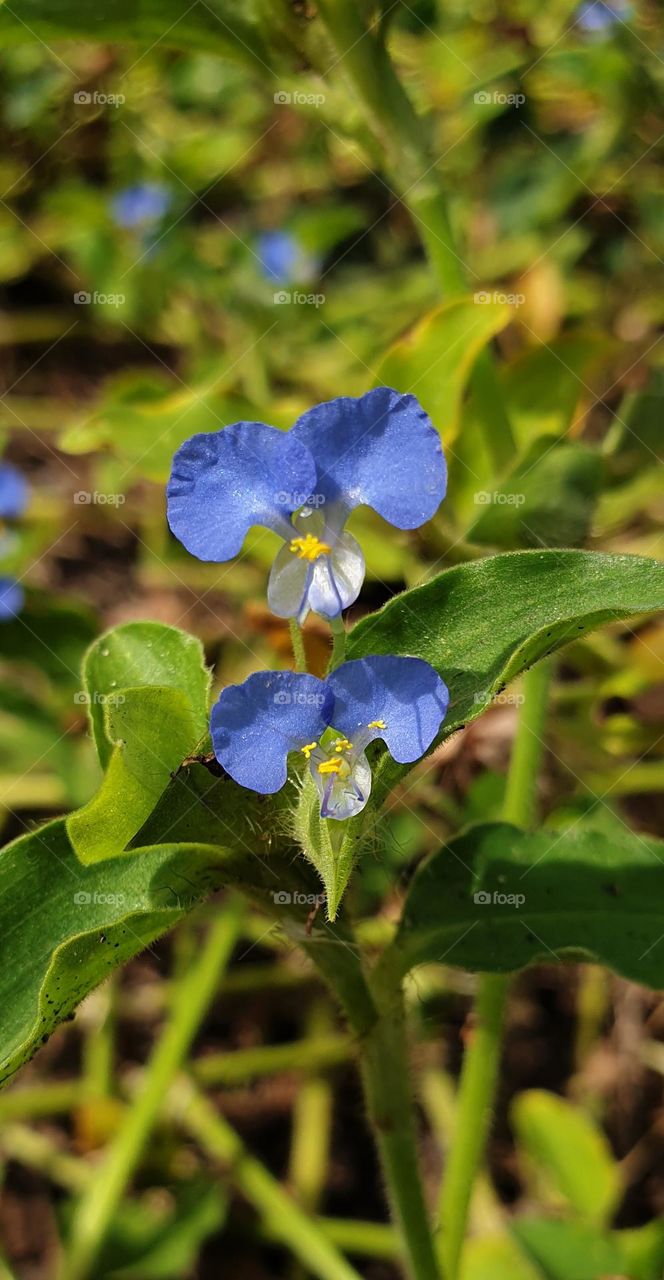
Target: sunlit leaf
[
  {"x": 434, "y": 359},
  {"x": 569, "y": 1151}
]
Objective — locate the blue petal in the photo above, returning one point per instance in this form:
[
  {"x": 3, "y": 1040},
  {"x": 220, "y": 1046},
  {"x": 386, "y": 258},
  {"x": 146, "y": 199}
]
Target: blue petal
[
  {"x": 223, "y": 483},
  {"x": 13, "y": 492},
  {"x": 254, "y": 725},
  {"x": 406, "y": 693},
  {"x": 283, "y": 259},
  {"x": 144, "y": 203},
  {"x": 278, "y": 252},
  {"x": 381, "y": 451},
  {"x": 12, "y": 598}
]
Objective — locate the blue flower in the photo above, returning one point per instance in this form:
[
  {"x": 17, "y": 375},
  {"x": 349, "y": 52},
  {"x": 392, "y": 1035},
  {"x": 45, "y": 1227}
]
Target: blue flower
[
  {"x": 256, "y": 725},
  {"x": 13, "y": 492},
  {"x": 13, "y": 501},
  {"x": 140, "y": 205},
  {"x": 12, "y": 598},
  {"x": 283, "y": 259},
  {"x": 597, "y": 16},
  {"x": 380, "y": 450}
]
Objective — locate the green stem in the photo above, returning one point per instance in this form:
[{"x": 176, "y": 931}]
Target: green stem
[
  {"x": 366, "y": 1239},
  {"x": 474, "y": 1109},
  {"x": 338, "y": 643},
  {"x": 39, "y": 1151},
  {"x": 413, "y": 170},
  {"x": 282, "y": 1217},
  {"x": 482, "y": 1059},
  {"x": 319, "y": 1053},
  {"x": 312, "y": 1117},
  {"x": 44, "y": 1099},
  {"x": 311, "y": 1129},
  {"x": 98, "y": 1051},
  {"x": 520, "y": 804},
  {"x": 386, "y": 1078},
  {"x": 297, "y": 641},
  {"x": 194, "y": 993}
]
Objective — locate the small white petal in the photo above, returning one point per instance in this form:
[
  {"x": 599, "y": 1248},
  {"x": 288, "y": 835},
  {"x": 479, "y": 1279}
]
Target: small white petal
[
  {"x": 343, "y": 798},
  {"x": 337, "y": 578},
  {"x": 287, "y": 589}
]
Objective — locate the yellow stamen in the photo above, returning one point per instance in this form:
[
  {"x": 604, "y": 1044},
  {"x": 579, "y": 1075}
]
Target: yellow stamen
[
  {"x": 377, "y": 724},
  {"x": 342, "y": 744},
  {"x": 306, "y": 751},
  {"x": 330, "y": 766},
  {"x": 309, "y": 547}
]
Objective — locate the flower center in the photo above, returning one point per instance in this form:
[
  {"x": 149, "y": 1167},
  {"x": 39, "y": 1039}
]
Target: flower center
[
  {"x": 309, "y": 548},
  {"x": 334, "y": 765}
]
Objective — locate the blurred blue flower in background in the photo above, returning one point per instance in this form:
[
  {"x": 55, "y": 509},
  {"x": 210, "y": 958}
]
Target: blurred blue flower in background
[
  {"x": 283, "y": 259},
  {"x": 140, "y": 205},
  {"x": 597, "y": 16},
  {"x": 13, "y": 501}
]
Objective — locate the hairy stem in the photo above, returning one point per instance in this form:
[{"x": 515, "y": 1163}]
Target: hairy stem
[
  {"x": 482, "y": 1059},
  {"x": 338, "y": 643},
  {"x": 297, "y": 642}
]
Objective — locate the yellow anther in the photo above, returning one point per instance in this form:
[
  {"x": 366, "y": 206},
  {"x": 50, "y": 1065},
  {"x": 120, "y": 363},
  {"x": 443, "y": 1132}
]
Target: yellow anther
[
  {"x": 342, "y": 744},
  {"x": 309, "y": 547},
  {"x": 306, "y": 751},
  {"x": 377, "y": 724},
  {"x": 330, "y": 766}
]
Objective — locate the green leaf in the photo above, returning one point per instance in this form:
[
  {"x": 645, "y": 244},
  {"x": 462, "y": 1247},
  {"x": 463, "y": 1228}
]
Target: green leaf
[
  {"x": 143, "y": 653},
  {"x": 497, "y": 898},
  {"x": 434, "y": 359},
  {"x": 547, "y": 501},
  {"x": 544, "y": 385},
  {"x": 542, "y": 390},
  {"x": 643, "y": 1250},
  {"x": 145, "y": 1245},
  {"x": 64, "y": 926},
  {"x": 569, "y": 1249},
  {"x": 497, "y": 1257},
  {"x": 482, "y": 624},
  {"x": 220, "y": 25},
  {"x": 52, "y": 636},
  {"x": 570, "y": 1151},
  {"x": 154, "y": 730},
  {"x": 142, "y": 733}
]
